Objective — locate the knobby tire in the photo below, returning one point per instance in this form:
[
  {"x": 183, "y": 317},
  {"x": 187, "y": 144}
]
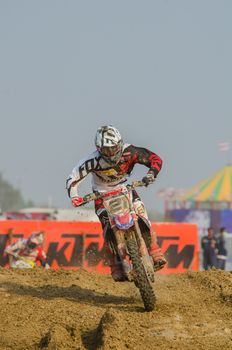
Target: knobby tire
[{"x": 141, "y": 278}]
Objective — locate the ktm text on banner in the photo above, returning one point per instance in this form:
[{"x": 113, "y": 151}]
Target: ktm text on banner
[{"x": 72, "y": 245}]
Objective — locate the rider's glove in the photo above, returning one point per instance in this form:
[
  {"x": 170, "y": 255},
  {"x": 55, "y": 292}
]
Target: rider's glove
[
  {"x": 148, "y": 179},
  {"x": 76, "y": 201}
]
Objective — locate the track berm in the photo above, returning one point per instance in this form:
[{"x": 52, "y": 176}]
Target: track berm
[{"x": 76, "y": 310}]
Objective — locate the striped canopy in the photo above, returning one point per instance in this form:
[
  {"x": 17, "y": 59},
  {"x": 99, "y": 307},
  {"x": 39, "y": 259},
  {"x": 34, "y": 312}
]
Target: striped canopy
[{"x": 216, "y": 188}]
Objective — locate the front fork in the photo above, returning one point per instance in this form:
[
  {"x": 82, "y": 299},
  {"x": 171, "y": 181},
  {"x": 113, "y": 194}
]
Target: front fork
[
  {"x": 147, "y": 260},
  {"x": 140, "y": 241},
  {"x": 121, "y": 251}
]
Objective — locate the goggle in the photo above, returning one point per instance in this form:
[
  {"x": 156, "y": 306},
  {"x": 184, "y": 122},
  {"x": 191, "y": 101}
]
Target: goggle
[
  {"x": 31, "y": 245},
  {"x": 110, "y": 151}
]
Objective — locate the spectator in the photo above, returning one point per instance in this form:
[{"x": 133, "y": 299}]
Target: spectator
[
  {"x": 221, "y": 250},
  {"x": 208, "y": 245},
  {"x": 27, "y": 252}
]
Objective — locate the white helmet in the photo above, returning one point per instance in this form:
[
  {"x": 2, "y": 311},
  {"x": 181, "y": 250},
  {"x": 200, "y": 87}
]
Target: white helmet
[{"x": 109, "y": 143}]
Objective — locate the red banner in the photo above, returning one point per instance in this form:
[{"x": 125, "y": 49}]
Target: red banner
[{"x": 72, "y": 245}]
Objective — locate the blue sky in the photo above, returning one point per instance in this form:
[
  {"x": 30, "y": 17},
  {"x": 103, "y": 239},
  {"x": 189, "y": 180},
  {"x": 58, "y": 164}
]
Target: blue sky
[{"x": 160, "y": 71}]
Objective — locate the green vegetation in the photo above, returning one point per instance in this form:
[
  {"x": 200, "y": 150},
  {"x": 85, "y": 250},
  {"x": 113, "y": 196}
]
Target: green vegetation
[{"x": 11, "y": 198}]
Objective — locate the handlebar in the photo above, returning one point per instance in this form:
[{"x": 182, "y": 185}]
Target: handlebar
[{"x": 97, "y": 195}]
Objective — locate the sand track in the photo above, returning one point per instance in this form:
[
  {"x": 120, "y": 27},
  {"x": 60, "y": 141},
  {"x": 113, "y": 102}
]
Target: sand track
[{"x": 80, "y": 310}]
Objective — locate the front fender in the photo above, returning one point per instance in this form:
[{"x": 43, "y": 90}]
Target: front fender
[{"x": 124, "y": 222}]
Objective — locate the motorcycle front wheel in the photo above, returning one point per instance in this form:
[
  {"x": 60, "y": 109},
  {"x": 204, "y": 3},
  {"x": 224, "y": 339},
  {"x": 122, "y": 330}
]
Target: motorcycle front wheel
[{"x": 141, "y": 278}]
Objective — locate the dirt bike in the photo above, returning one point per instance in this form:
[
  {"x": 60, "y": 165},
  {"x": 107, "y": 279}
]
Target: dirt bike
[
  {"x": 21, "y": 262},
  {"x": 126, "y": 240}
]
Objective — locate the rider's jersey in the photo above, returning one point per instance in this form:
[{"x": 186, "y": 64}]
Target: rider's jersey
[{"x": 106, "y": 176}]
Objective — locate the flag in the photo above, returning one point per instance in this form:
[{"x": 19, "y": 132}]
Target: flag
[{"x": 224, "y": 146}]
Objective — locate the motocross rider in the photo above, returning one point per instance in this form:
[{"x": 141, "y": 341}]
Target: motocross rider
[
  {"x": 110, "y": 165},
  {"x": 27, "y": 252}
]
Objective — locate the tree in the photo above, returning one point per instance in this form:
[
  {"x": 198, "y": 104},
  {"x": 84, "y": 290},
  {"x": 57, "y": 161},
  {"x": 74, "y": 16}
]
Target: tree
[{"x": 11, "y": 198}]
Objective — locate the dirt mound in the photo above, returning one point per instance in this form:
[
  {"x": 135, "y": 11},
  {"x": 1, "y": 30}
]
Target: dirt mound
[
  {"x": 59, "y": 337},
  {"x": 65, "y": 310},
  {"x": 220, "y": 281}
]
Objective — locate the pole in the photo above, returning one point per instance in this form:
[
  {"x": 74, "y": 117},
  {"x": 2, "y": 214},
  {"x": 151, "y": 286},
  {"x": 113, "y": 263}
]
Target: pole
[{"x": 10, "y": 239}]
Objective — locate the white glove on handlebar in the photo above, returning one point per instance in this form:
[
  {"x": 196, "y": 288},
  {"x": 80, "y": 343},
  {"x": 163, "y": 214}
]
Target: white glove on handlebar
[{"x": 148, "y": 179}]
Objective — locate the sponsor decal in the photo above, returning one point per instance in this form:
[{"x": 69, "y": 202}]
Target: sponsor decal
[{"x": 108, "y": 172}]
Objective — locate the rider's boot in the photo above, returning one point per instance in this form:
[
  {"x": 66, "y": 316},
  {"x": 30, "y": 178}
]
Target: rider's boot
[
  {"x": 156, "y": 253},
  {"x": 116, "y": 268}
]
